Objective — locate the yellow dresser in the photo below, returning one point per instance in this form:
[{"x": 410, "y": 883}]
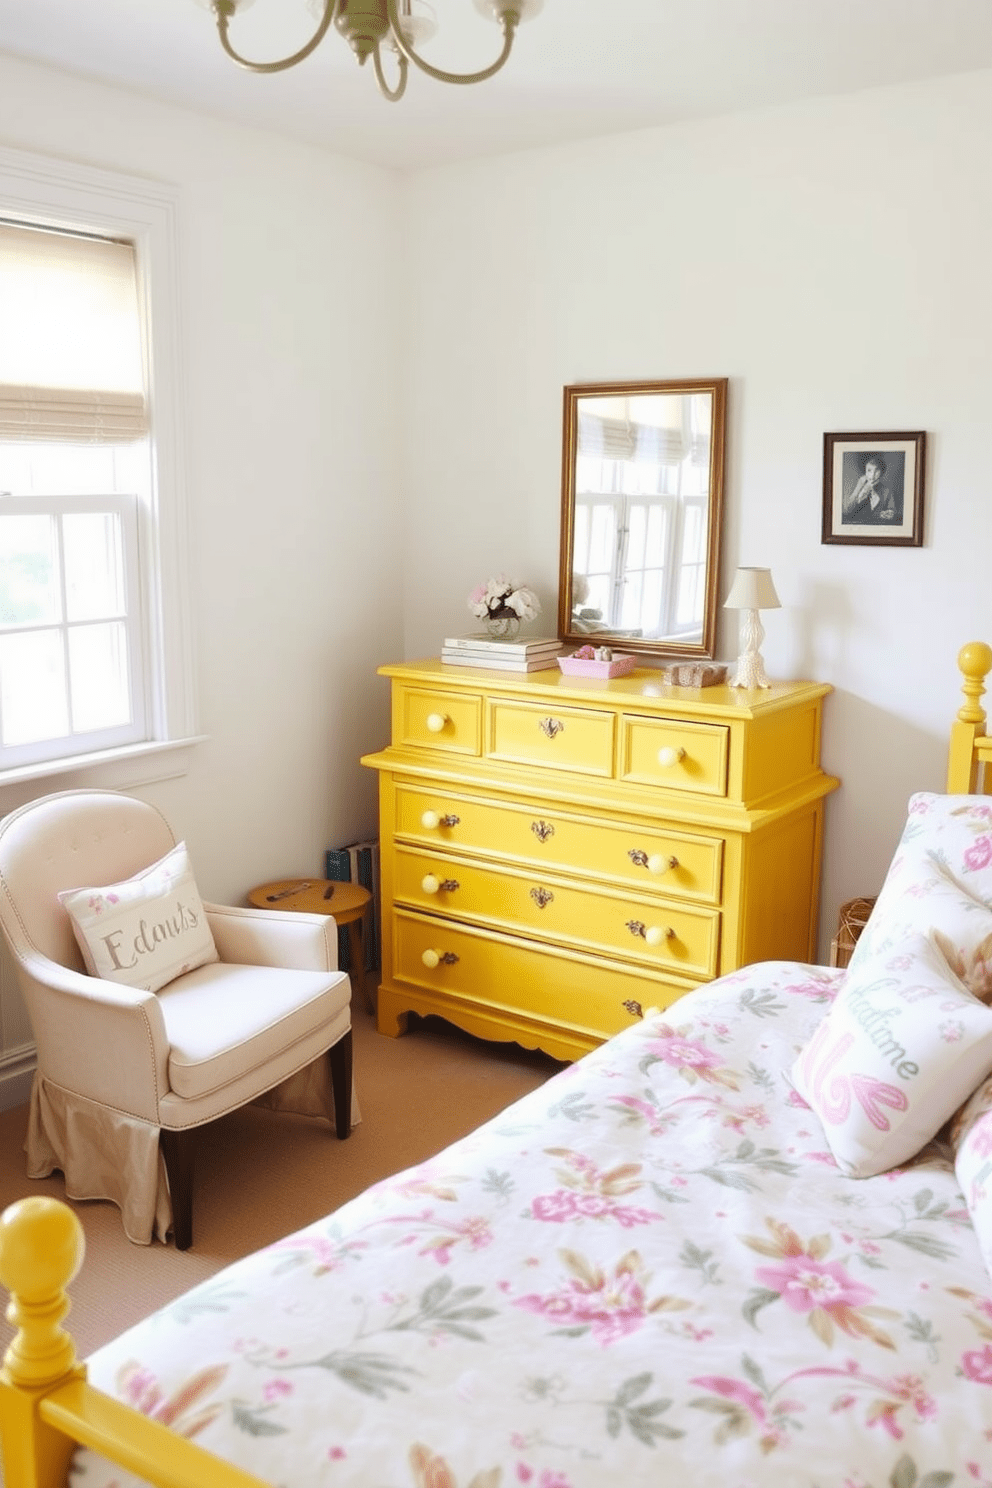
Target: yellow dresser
[{"x": 555, "y": 848}]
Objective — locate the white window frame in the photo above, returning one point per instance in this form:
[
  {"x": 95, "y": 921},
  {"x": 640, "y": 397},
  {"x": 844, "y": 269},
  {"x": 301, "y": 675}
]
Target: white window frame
[
  {"x": 58, "y": 193},
  {"x": 125, "y": 509}
]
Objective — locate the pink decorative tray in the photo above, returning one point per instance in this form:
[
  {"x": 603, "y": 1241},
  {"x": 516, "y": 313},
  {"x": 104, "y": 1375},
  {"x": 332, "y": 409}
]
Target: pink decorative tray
[{"x": 582, "y": 666}]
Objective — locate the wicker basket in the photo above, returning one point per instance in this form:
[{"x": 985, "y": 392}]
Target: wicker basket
[{"x": 852, "y": 919}]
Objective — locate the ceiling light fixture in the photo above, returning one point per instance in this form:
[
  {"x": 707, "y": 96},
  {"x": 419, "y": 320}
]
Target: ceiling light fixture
[{"x": 369, "y": 25}]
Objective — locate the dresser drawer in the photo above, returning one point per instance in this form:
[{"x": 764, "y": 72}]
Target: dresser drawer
[
  {"x": 680, "y": 865},
  {"x": 577, "y": 739},
  {"x": 531, "y": 983},
  {"x": 660, "y": 933},
  {"x": 430, "y": 718},
  {"x": 675, "y": 755}
]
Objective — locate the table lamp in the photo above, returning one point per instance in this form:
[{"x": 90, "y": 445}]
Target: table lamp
[{"x": 751, "y": 591}]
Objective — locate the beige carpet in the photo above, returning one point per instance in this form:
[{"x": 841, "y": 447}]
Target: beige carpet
[{"x": 261, "y": 1175}]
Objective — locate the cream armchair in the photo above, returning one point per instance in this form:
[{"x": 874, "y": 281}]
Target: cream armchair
[{"x": 125, "y": 1077}]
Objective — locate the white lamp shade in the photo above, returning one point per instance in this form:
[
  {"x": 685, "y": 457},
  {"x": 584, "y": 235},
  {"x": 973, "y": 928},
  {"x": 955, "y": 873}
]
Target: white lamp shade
[
  {"x": 493, "y": 9},
  {"x": 752, "y": 589}
]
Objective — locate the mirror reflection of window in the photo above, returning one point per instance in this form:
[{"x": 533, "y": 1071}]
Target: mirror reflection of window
[{"x": 641, "y": 515}]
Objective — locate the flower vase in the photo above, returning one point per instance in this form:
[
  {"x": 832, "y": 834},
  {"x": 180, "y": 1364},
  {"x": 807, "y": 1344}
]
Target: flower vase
[{"x": 503, "y": 627}]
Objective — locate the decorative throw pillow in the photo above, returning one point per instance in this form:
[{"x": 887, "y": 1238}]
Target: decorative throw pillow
[
  {"x": 902, "y": 1046},
  {"x": 146, "y": 931},
  {"x": 940, "y": 880},
  {"x": 974, "y": 1107},
  {"x": 974, "y": 1173}
]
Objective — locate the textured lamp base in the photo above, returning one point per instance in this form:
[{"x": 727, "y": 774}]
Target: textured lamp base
[{"x": 750, "y": 667}]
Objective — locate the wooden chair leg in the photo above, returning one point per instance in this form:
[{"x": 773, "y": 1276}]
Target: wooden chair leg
[
  {"x": 177, "y": 1151},
  {"x": 340, "y": 1059}
]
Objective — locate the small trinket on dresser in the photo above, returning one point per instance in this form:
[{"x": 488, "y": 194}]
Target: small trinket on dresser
[
  {"x": 694, "y": 674},
  {"x": 603, "y": 653},
  {"x": 584, "y": 653}
]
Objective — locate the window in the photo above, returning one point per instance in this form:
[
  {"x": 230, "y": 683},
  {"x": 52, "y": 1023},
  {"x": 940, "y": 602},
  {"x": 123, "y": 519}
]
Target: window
[
  {"x": 71, "y": 627},
  {"x": 71, "y": 674},
  {"x": 95, "y": 647}
]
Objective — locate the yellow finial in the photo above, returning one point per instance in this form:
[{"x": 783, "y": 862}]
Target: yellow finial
[
  {"x": 975, "y": 663},
  {"x": 41, "y": 1250}
]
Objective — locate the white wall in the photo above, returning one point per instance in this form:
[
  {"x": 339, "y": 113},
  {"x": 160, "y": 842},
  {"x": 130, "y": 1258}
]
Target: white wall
[
  {"x": 290, "y": 371},
  {"x": 833, "y": 260}
]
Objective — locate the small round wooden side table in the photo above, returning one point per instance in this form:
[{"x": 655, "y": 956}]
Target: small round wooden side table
[{"x": 348, "y": 903}]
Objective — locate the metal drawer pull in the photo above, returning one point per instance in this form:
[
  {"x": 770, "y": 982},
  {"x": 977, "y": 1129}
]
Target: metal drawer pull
[
  {"x": 551, "y": 727},
  {"x": 541, "y": 897},
  {"x": 656, "y": 863},
  {"x": 653, "y": 934},
  {"x": 669, "y": 756},
  {"x": 432, "y": 885},
  {"x": 542, "y": 830},
  {"x": 438, "y": 958},
  {"x": 435, "y": 722},
  {"x": 432, "y": 821},
  {"x": 636, "y": 1011}
]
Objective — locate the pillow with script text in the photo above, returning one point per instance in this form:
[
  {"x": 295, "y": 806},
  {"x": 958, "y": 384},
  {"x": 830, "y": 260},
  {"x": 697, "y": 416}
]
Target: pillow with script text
[
  {"x": 145, "y": 931},
  {"x": 903, "y": 1045}
]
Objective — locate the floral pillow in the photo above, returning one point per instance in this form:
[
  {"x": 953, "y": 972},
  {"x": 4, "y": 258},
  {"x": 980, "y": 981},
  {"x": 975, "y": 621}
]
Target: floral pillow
[
  {"x": 145, "y": 931},
  {"x": 903, "y": 1045},
  {"x": 940, "y": 880},
  {"x": 974, "y": 1173}
]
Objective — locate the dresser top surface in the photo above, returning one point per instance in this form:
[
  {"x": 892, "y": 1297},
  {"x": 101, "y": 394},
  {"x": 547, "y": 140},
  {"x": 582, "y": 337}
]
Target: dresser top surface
[{"x": 639, "y": 689}]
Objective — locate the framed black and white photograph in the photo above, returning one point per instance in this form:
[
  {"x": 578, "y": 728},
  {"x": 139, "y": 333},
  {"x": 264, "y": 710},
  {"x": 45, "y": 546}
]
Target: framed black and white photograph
[{"x": 873, "y": 489}]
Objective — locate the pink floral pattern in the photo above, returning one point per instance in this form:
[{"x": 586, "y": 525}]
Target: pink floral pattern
[
  {"x": 649, "y": 1267},
  {"x": 610, "y": 1305}
]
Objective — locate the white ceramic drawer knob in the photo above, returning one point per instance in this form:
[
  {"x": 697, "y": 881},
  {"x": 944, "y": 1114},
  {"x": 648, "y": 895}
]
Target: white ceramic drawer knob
[
  {"x": 669, "y": 756},
  {"x": 430, "y": 884},
  {"x": 431, "y": 959},
  {"x": 654, "y": 934},
  {"x": 435, "y": 722},
  {"x": 659, "y": 864},
  {"x": 430, "y": 820}
]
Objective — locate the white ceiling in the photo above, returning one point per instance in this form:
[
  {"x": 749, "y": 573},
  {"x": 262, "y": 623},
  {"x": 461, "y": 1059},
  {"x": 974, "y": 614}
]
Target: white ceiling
[{"x": 580, "y": 68}]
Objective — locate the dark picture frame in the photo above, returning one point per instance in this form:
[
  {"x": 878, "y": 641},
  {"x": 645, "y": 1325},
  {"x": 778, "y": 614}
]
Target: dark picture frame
[{"x": 873, "y": 488}]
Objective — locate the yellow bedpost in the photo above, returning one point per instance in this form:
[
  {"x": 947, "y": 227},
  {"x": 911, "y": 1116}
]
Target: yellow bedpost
[
  {"x": 975, "y": 663},
  {"x": 41, "y": 1250}
]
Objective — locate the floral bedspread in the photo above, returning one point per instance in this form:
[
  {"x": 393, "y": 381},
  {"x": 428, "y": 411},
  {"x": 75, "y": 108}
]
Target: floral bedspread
[{"x": 647, "y": 1272}]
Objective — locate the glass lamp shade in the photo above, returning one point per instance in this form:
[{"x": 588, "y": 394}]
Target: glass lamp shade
[
  {"x": 417, "y": 21},
  {"x": 493, "y": 9},
  {"x": 752, "y": 589}
]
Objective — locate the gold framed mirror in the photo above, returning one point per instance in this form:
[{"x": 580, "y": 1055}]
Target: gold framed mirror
[{"x": 641, "y": 508}]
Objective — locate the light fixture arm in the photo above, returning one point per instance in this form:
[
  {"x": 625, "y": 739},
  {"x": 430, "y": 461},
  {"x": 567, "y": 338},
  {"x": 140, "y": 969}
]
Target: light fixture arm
[
  {"x": 509, "y": 20},
  {"x": 393, "y": 94},
  {"x": 225, "y": 9}
]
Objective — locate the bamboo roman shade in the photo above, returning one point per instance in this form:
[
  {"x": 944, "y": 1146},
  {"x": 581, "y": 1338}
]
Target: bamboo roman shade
[{"x": 70, "y": 341}]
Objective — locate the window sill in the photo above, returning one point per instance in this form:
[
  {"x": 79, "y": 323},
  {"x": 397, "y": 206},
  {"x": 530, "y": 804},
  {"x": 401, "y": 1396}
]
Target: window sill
[{"x": 109, "y": 769}]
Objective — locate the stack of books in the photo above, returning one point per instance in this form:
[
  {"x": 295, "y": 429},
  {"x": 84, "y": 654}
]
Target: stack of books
[
  {"x": 508, "y": 656},
  {"x": 358, "y": 863}
]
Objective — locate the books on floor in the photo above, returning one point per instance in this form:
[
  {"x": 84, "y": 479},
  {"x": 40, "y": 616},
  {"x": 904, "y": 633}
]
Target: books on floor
[
  {"x": 358, "y": 863},
  {"x": 529, "y": 655}
]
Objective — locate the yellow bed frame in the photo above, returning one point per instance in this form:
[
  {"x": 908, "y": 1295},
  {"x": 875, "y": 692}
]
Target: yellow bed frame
[
  {"x": 970, "y": 749},
  {"x": 46, "y": 1406}
]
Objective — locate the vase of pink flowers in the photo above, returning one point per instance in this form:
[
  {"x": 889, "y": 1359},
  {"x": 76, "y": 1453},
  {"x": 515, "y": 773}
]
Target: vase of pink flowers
[{"x": 501, "y": 605}]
